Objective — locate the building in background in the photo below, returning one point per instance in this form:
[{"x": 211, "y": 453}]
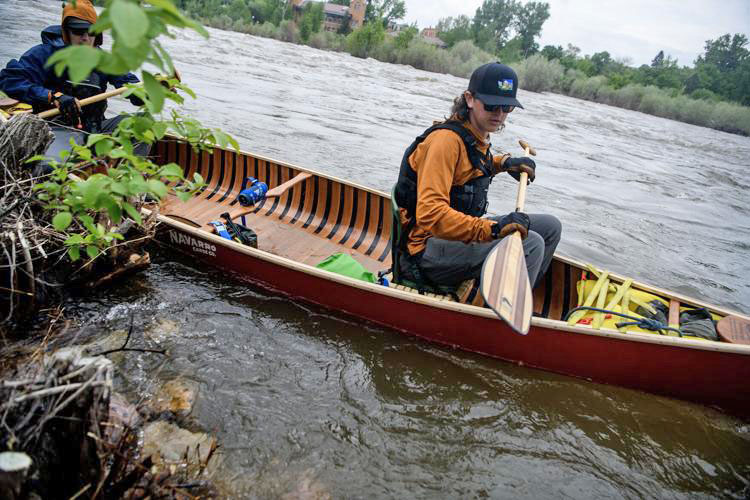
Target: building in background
[
  {"x": 430, "y": 35},
  {"x": 335, "y": 15}
]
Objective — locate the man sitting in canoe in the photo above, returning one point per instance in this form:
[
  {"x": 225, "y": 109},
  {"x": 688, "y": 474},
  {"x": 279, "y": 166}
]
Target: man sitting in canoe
[
  {"x": 28, "y": 80},
  {"x": 442, "y": 190}
]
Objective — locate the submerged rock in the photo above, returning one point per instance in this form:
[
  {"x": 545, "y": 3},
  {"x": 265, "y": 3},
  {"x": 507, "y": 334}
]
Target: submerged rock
[
  {"x": 161, "y": 330},
  {"x": 169, "y": 445},
  {"x": 176, "y": 396}
]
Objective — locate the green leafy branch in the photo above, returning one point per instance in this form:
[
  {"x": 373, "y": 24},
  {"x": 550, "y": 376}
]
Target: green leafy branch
[{"x": 90, "y": 210}]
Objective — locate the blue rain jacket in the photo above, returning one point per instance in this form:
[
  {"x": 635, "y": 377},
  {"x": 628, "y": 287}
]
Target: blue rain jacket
[{"x": 27, "y": 79}]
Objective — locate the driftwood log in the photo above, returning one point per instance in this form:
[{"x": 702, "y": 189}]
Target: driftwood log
[{"x": 64, "y": 433}]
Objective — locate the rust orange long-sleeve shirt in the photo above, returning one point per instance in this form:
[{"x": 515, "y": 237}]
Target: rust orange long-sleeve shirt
[{"x": 441, "y": 162}]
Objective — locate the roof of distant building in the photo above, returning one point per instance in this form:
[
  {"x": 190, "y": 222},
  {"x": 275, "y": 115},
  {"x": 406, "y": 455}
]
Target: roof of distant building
[{"x": 336, "y": 9}]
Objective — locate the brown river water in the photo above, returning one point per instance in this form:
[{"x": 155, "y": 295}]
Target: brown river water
[{"x": 304, "y": 401}]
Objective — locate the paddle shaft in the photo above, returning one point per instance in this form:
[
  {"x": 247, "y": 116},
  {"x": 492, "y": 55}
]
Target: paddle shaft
[
  {"x": 85, "y": 102},
  {"x": 522, "y": 182}
]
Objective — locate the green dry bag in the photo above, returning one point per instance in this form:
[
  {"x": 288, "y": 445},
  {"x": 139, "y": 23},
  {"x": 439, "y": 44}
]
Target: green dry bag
[{"x": 343, "y": 263}]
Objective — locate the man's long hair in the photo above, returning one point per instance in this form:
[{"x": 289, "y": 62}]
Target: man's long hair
[{"x": 459, "y": 110}]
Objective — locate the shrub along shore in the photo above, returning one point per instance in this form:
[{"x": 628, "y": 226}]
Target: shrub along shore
[{"x": 536, "y": 73}]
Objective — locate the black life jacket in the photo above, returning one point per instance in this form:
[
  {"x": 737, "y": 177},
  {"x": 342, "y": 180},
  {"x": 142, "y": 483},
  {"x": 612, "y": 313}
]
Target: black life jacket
[
  {"x": 93, "y": 114},
  {"x": 469, "y": 198}
]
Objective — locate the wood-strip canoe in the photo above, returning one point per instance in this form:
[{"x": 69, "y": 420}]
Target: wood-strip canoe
[{"x": 323, "y": 215}]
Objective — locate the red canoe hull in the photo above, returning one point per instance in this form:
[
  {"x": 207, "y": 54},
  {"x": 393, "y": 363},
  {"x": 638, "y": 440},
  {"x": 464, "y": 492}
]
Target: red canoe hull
[{"x": 711, "y": 377}]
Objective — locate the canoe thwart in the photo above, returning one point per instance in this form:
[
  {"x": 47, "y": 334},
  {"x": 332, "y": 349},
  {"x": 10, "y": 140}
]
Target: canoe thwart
[{"x": 282, "y": 188}]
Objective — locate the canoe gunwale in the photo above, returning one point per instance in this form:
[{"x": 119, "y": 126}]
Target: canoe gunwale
[{"x": 557, "y": 325}]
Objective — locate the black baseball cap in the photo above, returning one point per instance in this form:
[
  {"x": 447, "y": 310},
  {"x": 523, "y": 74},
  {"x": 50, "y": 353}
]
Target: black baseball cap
[
  {"x": 495, "y": 83},
  {"x": 77, "y": 23}
]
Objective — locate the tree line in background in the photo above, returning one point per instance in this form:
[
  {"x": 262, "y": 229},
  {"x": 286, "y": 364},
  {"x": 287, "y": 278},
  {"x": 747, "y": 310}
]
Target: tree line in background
[{"x": 508, "y": 30}]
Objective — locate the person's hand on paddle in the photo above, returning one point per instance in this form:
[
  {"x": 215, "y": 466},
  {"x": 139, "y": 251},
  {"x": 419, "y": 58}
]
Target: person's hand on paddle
[
  {"x": 168, "y": 81},
  {"x": 514, "y": 221},
  {"x": 70, "y": 109},
  {"x": 514, "y": 166}
]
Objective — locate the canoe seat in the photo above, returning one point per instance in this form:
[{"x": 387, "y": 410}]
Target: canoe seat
[{"x": 466, "y": 292}]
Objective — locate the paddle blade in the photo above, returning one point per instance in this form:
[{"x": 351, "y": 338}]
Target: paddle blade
[{"x": 505, "y": 284}]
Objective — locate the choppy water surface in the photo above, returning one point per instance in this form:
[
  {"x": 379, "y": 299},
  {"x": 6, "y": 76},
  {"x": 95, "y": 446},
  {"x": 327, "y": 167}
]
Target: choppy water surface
[{"x": 305, "y": 402}]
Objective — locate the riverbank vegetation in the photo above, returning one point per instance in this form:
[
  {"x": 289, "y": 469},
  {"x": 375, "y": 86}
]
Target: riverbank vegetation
[
  {"x": 66, "y": 433},
  {"x": 714, "y": 92}
]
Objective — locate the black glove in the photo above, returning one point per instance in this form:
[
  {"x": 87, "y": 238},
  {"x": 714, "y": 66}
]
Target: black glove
[
  {"x": 514, "y": 166},
  {"x": 69, "y": 108},
  {"x": 514, "y": 221},
  {"x": 135, "y": 100}
]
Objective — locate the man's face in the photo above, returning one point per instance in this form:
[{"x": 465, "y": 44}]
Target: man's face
[
  {"x": 81, "y": 37},
  {"x": 486, "y": 121}
]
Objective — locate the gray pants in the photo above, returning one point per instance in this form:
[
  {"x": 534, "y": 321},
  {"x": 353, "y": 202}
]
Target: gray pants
[
  {"x": 446, "y": 262},
  {"x": 64, "y": 134}
]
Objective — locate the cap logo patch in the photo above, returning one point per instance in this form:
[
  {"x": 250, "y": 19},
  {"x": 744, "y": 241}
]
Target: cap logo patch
[{"x": 505, "y": 84}]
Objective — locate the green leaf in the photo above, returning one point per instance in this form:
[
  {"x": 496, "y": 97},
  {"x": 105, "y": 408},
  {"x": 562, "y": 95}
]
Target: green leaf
[
  {"x": 155, "y": 91},
  {"x": 198, "y": 178},
  {"x": 129, "y": 21},
  {"x": 197, "y": 27},
  {"x": 188, "y": 91},
  {"x": 160, "y": 128},
  {"x": 132, "y": 212},
  {"x": 166, "y": 5},
  {"x": 62, "y": 220},
  {"x": 137, "y": 185},
  {"x": 113, "y": 209},
  {"x": 92, "y": 251},
  {"x": 74, "y": 253},
  {"x": 104, "y": 147},
  {"x": 74, "y": 239},
  {"x": 81, "y": 61},
  {"x": 94, "y": 138},
  {"x": 88, "y": 223},
  {"x": 171, "y": 170},
  {"x": 157, "y": 187},
  {"x": 183, "y": 195},
  {"x": 135, "y": 56},
  {"x": 36, "y": 158},
  {"x": 220, "y": 137},
  {"x": 119, "y": 188},
  {"x": 164, "y": 56},
  {"x": 113, "y": 64}
]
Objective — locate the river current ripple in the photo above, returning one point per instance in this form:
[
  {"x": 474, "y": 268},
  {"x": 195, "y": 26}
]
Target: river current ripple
[{"x": 308, "y": 403}]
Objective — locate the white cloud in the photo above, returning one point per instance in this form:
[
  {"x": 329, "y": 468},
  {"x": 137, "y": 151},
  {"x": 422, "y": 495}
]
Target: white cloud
[{"x": 636, "y": 29}]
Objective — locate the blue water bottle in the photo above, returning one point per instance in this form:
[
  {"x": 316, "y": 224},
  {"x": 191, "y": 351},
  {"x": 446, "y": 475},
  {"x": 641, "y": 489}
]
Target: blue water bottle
[{"x": 254, "y": 193}]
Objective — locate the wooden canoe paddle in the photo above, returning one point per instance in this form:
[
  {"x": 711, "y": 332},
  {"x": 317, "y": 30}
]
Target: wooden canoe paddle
[
  {"x": 100, "y": 97},
  {"x": 85, "y": 102},
  {"x": 505, "y": 283}
]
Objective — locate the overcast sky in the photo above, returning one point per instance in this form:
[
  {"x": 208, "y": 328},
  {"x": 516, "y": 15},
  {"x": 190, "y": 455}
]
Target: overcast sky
[{"x": 637, "y": 29}]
